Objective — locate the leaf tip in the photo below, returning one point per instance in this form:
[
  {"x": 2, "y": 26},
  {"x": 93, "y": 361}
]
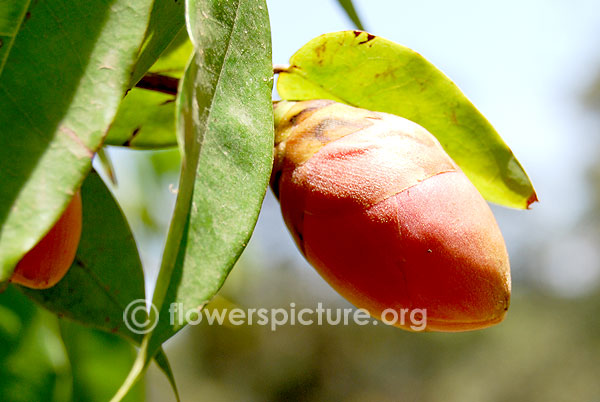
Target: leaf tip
[{"x": 532, "y": 198}]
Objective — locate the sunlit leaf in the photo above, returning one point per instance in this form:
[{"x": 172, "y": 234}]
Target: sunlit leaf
[
  {"x": 65, "y": 76},
  {"x": 374, "y": 73},
  {"x": 226, "y": 139},
  {"x": 145, "y": 120},
  {"x": 146, "y": 117},
  {"x": 226, "y": 125}
]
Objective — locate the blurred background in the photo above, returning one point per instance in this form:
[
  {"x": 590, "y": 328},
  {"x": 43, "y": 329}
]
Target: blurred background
[{"x": 533, "y": 69}]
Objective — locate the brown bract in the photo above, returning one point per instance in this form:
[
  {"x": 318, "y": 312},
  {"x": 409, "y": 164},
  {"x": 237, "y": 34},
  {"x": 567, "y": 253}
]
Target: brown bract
[
  {"x": 386, "y": 217},
  {"x": 50, "y": 259}
]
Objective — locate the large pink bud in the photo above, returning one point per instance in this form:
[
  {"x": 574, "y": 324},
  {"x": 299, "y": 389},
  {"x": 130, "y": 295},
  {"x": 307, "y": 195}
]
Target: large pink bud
[{"x": 387, "y": 217}]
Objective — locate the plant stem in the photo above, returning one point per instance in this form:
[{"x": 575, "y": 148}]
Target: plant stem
[
  {"x": 169, "y": 85},
  {"x": 159, "y": 83}
]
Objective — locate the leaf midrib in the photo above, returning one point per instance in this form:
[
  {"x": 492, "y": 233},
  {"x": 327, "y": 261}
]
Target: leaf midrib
[
  {"x": 218, "y": 83},
  {"x": 14, "y": 35}
]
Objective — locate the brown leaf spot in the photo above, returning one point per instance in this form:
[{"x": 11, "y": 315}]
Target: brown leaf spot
[
  {"x": 389, "y": 73},
  {"x": 320, "y": 50},
  {"x": 167, "y": 102},
  {"x": 453, "y": 118},
  {"x": 532, "y": 198},
  {"x": 133, "y": 135},
  {"x": 369, "y": 38}
]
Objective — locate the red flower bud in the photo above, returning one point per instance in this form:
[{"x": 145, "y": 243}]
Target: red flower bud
[
  {"x": 387, "y": 217},
  {"x": 49, "y": 260}
]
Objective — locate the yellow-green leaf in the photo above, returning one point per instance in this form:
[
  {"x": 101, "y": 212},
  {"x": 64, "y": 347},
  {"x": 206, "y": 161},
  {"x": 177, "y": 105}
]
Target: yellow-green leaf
[{"x": 374, "y": 73}]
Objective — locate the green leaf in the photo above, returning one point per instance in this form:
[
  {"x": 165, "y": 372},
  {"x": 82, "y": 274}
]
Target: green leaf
[
  {"x": 174, "y": 60},
  {"x": 163, "y": 363},
  {"x": 226, "y": 139},
  {"x": 146, "y": 118},
  {"x": 99, "y": 362},
  {"x": 63, "y": 81},
  {"x": 107, "y": 165},
  {"x": 105, "y": 277},
  {"x": 348, "y": 7},
  {"x": 226, "y": 128},
  {"x": 166, "y": 21},
  {"x": 373, "y": 73},
  {"x": 12, "y": 15},
  {"x": 107, "y": 273}
]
